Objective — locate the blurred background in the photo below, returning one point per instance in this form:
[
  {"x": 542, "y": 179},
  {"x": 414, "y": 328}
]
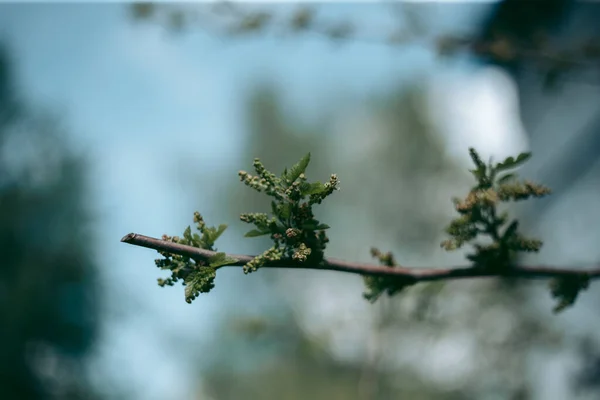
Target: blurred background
[{"x": 117, "y": 118}]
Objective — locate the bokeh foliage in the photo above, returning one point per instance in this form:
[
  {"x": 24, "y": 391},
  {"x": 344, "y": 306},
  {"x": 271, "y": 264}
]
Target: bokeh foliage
[{"x": 49, "y": 293}]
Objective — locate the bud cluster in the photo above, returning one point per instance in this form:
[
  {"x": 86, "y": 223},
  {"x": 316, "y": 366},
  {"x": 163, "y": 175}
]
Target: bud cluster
[{"x": 295, "y": 232}]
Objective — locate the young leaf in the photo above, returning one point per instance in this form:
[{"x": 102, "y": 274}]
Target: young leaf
[
  {"x": 285, "y": 210},
  {"x": 187, "y": 234},
  {"x": 276, "y": 227},
  {"x": 313, "y": 225},
  {"x": 311, "y": 188},
  {"x": 506, "y": 178},
  {"x": 256, "y": 233},
  {"x": 476, "y": 159},
  {"x": 322, "y": 227},
  {"x": 510, "y": 231},
  {"x": 513, "y": 163},
  {"x": 199, "y": 281},
  {"x": 566, "y": 290},
  {"x": 221, "y": 259},
  {"x": 479, "y": 173},
  {"x": 191, "y": 287},
  {"x": 304, "y": 186},
  {"x": 220, "y": 231},
  {"x": 298, "y": 169},
  {"x": 210, "y": 236}
]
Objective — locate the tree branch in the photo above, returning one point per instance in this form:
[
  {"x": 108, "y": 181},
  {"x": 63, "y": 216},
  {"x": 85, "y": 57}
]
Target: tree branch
[
  {"x": 332, "y": 264},
  {"x": 303, "y": 20}
]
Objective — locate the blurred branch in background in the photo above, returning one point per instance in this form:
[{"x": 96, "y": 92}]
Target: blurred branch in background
[
  {"x": 505, "y": 40},
  {"x": 518, "y": 36}
]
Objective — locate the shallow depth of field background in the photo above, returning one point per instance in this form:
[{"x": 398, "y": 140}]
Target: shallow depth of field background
[{"x": 111, "y": 125}]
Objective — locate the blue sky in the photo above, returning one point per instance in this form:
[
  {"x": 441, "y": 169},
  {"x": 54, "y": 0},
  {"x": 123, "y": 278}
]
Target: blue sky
[{"x": 139, "y": 101}]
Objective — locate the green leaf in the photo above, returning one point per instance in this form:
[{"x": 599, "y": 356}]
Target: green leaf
[
  {"x": 199, "y": 281},
  {"x": 476, "y": 159},
  {"x": 221, "y": 259},
  {"x": 511, "y": 230},
  {"x": 506, "y": 178},
  {"x": 322, "y": 227},
  {"x": 220, "y": 231},
  {"x": 191, "y": 287},
  {"x": 304, "y": 186},
  {"x": 513, "y": 163},
  {"x": 312, "y": 188},
  {"x": 479, "y": 173},
  {"x": 313, "y": 225},
  {"x": 377, "y": 286},
  {"x": 566, "y": 290},
  {"x": 210, "y": 236},
  {"x": 298, "y": 169},
  {"x": 277, "y": 228},
  {"x": 187, "y": 234},
  {"x": 282, "y": 210},
  {"x": 285, "y": 210},
  {"x": 256, "y": 233}
]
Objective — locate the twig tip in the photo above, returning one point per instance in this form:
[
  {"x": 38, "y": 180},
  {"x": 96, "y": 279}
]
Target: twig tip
[{"x": 128, "y": 238}]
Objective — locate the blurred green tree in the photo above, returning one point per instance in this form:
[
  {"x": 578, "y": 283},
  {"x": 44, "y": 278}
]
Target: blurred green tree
[{"x": 49, "y": 293}]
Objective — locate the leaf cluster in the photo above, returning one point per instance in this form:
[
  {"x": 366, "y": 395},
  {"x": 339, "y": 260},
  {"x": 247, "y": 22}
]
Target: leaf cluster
[
  {"x": 566, "y": 289},
  {"x": 378, "y": 285},
  {"x": 196, "y": 275},
  {"x": 479, "y": 215},
  {"x": 555, "y": 62},
  {"x": 297, "y": 235}
]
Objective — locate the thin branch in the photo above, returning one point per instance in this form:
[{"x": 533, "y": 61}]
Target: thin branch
[
  {"x": 332, "y": 264},
  {"x": 585, "y": 55}
]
